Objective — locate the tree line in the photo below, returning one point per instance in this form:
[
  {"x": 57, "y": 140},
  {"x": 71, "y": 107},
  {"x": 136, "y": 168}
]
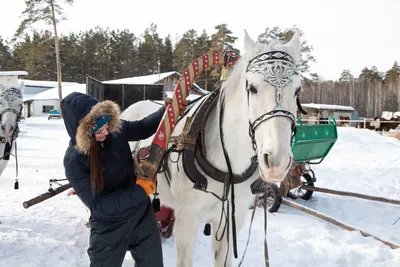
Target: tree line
[
  {"x": 113, "y": 54},
  {"x": 370, "y": 93},
  {"x": 109, "y": 54}
]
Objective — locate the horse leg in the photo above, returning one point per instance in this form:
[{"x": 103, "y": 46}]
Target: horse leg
[
  {"x": 223, "y": 255},
  {"x": 3, "y": 165},
  {"x": 186, "y": 226}
]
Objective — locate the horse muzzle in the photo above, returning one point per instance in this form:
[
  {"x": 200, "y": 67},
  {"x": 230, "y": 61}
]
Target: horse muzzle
[
  {"x": 7, "y": 129},
  {"x": 273, "y": 168}
]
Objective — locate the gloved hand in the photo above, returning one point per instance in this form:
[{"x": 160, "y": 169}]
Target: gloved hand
[
  {"x": 71, "y": 192},
  {"x": 184, "y": 105},
  {"x": 167, "y": 101},
  {"x": 148, "y": 185}
]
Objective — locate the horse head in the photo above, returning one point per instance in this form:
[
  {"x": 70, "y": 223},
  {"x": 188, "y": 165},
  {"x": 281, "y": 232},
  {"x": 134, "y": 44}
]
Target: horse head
[
  {"x": 11, "y": 102},
  {"x": 268, "y": 83}
]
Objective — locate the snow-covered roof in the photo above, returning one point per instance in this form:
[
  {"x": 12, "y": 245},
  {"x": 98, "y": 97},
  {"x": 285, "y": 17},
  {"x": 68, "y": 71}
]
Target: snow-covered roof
[
  {"x": 49, "y": 84},
  {"x": 148, "y": 79},
  {"x": 152, "y": 79},
  {"x": 53, "y": 92},
  {"x": 13, "y": 73},
  {"x": 326, "y": 106},
  {"x": 189, "y": 97},
  {"x": 199, "y": 89}
]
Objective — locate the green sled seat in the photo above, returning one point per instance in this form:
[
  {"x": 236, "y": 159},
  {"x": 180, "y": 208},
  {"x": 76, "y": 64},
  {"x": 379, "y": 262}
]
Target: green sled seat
[{"x": 313, "y": 141}]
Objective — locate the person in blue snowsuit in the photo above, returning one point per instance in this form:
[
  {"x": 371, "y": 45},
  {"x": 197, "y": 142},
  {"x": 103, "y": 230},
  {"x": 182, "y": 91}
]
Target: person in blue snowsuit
[{"x": 98, "y": 164}]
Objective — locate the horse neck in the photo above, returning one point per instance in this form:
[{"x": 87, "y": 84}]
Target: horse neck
[{"x": 235, "y": 129}]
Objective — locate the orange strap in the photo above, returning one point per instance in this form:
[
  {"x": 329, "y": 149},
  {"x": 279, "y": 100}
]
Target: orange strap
[{"x": 148, "y": 186}]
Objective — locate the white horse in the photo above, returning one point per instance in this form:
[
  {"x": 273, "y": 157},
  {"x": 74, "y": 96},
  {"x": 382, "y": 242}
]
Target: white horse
[
  {"x": 11, "y": 102},
  {"x": 256, "y": 115}
]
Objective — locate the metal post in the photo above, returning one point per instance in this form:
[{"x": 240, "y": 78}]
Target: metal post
[
  {"x": 144, "y": 92},
  {"x": 365, "y": 123},
  {"x": 123, "y": 97}
]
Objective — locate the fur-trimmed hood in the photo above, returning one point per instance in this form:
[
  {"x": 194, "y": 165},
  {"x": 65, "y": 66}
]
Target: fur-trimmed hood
[{"x": 80, "y": 112}]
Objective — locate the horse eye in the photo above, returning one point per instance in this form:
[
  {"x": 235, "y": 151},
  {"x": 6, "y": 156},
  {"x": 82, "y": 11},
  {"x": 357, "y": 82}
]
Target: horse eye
[{"x": 252, "y": 89}]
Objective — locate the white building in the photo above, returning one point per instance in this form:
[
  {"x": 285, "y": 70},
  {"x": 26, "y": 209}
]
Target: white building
[
  {"x": 11, "y": 77},
  {"x": 324, "y": 111},
  {"x": 41, "y": 103}
]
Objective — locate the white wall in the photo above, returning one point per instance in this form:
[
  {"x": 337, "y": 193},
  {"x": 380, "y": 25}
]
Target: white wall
[
  {"x": 37, "y": 106},
  {"x": 9, "y": 80}
]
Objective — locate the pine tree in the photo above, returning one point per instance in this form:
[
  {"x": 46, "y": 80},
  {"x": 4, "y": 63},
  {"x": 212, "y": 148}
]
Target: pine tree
[
  {"x": 393, "y": 75},
  {"x": 123, "y": 54},
  {"x": 185, "y": 50},
  {"x": 50, "y": 12},
  {"x": 222, "y": 40},
  {"x": 346, "y": 76},
  {"x": 150, "y": 50},
  {"x": 275, "y": 33},
  {"x": 167, "y": 55},
  {"x": 5, "y": 55},
  {"x": 203, "y": 44}
]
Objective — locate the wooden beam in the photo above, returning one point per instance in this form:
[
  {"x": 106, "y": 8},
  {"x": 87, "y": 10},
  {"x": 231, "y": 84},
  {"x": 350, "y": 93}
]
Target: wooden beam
[
  {"x": 333, "y": 221},
  {"x": 350, "y": 194}
]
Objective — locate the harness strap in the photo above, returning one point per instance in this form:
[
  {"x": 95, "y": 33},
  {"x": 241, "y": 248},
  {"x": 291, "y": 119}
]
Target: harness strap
[
  {"x": 16, "y": 184},
  {"x": 229, "y": 178},
  {"x": 265, "y": 232},
  {"x": 251, "y": 224},
  {"x": 266, "y": 257}
]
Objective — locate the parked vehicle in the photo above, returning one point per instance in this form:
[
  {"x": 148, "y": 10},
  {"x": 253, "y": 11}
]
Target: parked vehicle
[{"x": 54, "y": 114}]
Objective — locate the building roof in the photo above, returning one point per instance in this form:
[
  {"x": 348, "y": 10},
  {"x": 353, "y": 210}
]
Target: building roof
[
  {"x": 199, "y": 89},
  {"x": 49, "y": 84},
  {"x": 326, "y": 106},
  {"x": 152, "y": 79},
  {"x": 188, "y": 98},
  {"x": 13, "y": 73},
  {"x": 52, "y": 93},
  {"x": 139, "y": 80}
]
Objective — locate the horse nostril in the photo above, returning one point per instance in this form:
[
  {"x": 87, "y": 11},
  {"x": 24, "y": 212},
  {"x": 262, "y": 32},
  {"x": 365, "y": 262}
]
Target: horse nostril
[
  {"x": 7, "y": 128},
  {"x": 290, "y": 163},
  {"x": 267, "y": 161}
]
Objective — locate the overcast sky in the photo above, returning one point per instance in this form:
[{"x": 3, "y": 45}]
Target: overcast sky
[{"x": 345, "y": 34}]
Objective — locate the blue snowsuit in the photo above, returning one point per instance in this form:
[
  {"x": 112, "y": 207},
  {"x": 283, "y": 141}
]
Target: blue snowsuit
[{"x": 121, "y": 215}]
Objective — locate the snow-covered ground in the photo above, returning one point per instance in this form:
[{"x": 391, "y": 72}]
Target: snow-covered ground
[{"x": 53, "y": 233}]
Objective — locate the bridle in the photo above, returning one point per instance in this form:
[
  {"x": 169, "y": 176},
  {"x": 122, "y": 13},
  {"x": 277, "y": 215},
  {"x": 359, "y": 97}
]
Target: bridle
[
  {"x": 9, "y": 94},
  {"x": 278, "y": 68}
]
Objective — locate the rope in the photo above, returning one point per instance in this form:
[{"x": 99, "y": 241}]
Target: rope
[{"x": 265, "y": 230}]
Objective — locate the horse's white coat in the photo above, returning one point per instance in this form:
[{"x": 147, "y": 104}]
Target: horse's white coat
[
  {"x": 8, "y": 119},
  {"x": 192, "y": 207}
]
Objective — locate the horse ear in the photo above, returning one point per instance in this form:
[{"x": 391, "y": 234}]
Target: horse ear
[
  {"x": 249, "y": 44},
  {"x": 22, "y": 86},
  {"x": 294, "y": 45}
]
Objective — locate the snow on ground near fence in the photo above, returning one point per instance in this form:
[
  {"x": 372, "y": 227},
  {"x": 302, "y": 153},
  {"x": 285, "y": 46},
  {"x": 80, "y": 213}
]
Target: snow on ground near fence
[{"x": 53, "y": 233}]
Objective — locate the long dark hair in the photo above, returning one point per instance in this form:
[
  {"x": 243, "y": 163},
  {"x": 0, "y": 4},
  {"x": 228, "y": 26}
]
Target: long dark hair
[{"x": 96, "y": 167}]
